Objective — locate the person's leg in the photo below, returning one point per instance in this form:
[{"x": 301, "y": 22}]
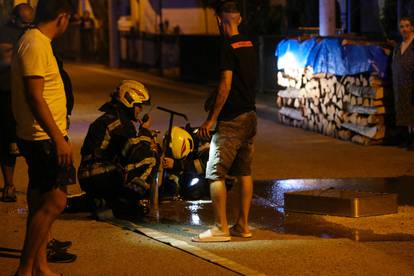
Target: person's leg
[
  {"x": 410, "y": 144},
  {"x": 223, "y": 150},
  {"x": 33, "y": 203},
  {"x": 8, "y": 147},
  {"x": 245, "y": 200},
  {"x": 242, "y": 169},
  {"x": 8, "y": 163},
  {"x": 219, "y": 197},
  {"x": 34, "y": 251},
  {"x": 42, "y": 259},
  {"x": 8, "y": 172},
  {"x": 33, "y": 198},
  {"x": 7, "y": 168}
]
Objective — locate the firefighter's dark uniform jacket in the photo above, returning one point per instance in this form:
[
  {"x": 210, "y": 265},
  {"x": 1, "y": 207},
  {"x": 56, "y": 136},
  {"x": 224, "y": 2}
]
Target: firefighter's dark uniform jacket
[{"x": 113, "y": 144}]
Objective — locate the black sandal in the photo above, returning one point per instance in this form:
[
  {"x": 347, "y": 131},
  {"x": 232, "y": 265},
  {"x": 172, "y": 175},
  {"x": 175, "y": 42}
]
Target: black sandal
[
  {"x": 9, "y": 194},
  {"x": 59, "y": 245},
  {"x": 54, "y": 256}
]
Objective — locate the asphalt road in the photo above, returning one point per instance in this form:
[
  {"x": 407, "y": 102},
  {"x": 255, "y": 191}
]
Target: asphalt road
[{"x": 281, "y": 153}]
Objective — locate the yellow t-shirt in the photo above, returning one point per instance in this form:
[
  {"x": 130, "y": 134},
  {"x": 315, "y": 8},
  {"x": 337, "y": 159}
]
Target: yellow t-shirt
[{"x": 34, "y": 57}]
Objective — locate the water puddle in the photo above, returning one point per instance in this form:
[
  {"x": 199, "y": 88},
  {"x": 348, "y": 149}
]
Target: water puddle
[{"x": 268, "y": 208}]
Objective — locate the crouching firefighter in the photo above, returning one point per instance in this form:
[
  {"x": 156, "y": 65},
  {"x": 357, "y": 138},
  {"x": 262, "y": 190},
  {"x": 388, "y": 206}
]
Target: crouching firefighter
[
  {"x": 185, "y": 163},
  {"x": 118, "y": 161}
]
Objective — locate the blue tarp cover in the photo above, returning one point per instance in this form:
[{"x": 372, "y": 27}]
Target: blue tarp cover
[{"x": 330, "y": 56}]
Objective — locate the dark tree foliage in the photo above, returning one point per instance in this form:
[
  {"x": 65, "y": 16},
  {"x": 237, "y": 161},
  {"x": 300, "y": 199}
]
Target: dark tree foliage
[
  {"x": 306, "y": 13},
  {"x": 259, "y": 17},
  {"x": 303, "y": 13},
  {"x": 389, "y": 18},
  {"x": 263, "y": 19}
]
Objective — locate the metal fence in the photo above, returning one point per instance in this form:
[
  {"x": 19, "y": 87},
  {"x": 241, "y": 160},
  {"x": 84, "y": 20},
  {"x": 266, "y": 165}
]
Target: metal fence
[
  {"x": 192, "y": 58},
  {"x": 75, "y": 44},
  {"x": 149, "y": 50},
  {"x": 196, "y": 56}
]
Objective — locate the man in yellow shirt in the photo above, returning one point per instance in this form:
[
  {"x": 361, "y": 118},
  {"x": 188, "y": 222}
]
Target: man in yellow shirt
[{"x": 39, "y": 107}]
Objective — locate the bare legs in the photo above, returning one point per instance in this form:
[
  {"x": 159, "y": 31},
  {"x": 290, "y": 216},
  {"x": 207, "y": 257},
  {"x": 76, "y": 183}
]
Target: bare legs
[
  {"x": 40, "y": 220},
  {"x": 410, "y": 138},
  {"x": 219, "y": 197},
  {"x": 245, "y": 201},
  {"x": 7, "y": 169},
  {"x": 218, "y": 194}
]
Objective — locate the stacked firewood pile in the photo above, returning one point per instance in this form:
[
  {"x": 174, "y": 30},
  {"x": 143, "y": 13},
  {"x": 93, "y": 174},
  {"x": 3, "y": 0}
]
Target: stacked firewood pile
[{"x": 348, "y": 107}]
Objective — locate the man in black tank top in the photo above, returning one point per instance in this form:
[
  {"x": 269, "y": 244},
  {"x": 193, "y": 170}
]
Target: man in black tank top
[{"x": 233, "y": 113}]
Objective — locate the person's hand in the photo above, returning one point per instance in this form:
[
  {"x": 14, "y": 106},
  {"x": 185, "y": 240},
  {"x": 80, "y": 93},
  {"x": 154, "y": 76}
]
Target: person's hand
[
  {"x": 167, "y": 163},
  {"x": 6, "y": 53},
  {"x": 155, "y": 146},
  {"x": 392, "y": 43},
  {"x": 209, "y": 102},
  {"x": 204, "y": 130},
  {"x": 67, "y": 121},
  {"x": 64, "y": 153},
  {"x": 145, "y": 122}
]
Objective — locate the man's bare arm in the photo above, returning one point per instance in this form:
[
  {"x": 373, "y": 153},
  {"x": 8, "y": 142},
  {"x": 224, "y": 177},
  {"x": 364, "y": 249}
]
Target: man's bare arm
[
  {"x": 41, "y": 111},
  {"x": 6, "y": 52},
  {"x": 222, "y": 95}
]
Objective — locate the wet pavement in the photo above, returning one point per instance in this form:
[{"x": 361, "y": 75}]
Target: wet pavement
[
  {"x": 267, "y": 213},
  {"x": 283, "y": 243},
  {"x": 274, "y": 190}
]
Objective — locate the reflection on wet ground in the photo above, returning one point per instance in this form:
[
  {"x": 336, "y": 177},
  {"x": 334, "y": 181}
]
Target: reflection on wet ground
[
  {"x": 268, "y": 208},
  {"x": 189, "y": 217},
  {"x": 274, "y": 190}
]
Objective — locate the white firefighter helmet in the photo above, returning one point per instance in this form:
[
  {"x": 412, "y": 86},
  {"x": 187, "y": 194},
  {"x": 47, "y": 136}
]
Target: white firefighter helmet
[
  {"x": 131, "y": 92},
  {"x": 181, "y": 143}
]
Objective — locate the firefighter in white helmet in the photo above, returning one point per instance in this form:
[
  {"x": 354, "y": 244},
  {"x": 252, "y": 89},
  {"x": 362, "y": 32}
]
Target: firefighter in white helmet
[{"x": 119, "y": 159}]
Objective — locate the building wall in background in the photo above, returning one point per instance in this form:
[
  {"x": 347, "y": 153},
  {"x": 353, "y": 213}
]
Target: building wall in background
[
  {"x": 188, "y": 15},
  {"x": 194, "y": 20},
  {"x": 278, "y": 2}
]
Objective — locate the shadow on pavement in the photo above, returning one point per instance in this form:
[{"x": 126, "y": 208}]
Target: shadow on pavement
[{"x": 7, "y": 253}]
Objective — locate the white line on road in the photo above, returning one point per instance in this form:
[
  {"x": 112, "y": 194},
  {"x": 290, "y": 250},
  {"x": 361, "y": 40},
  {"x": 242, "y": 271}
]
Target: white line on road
[{"x": 184, "y": 246}]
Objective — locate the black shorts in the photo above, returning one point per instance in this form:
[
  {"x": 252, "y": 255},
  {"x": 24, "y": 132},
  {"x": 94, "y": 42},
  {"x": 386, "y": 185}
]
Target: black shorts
[{"x": 44, "y": 172}]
